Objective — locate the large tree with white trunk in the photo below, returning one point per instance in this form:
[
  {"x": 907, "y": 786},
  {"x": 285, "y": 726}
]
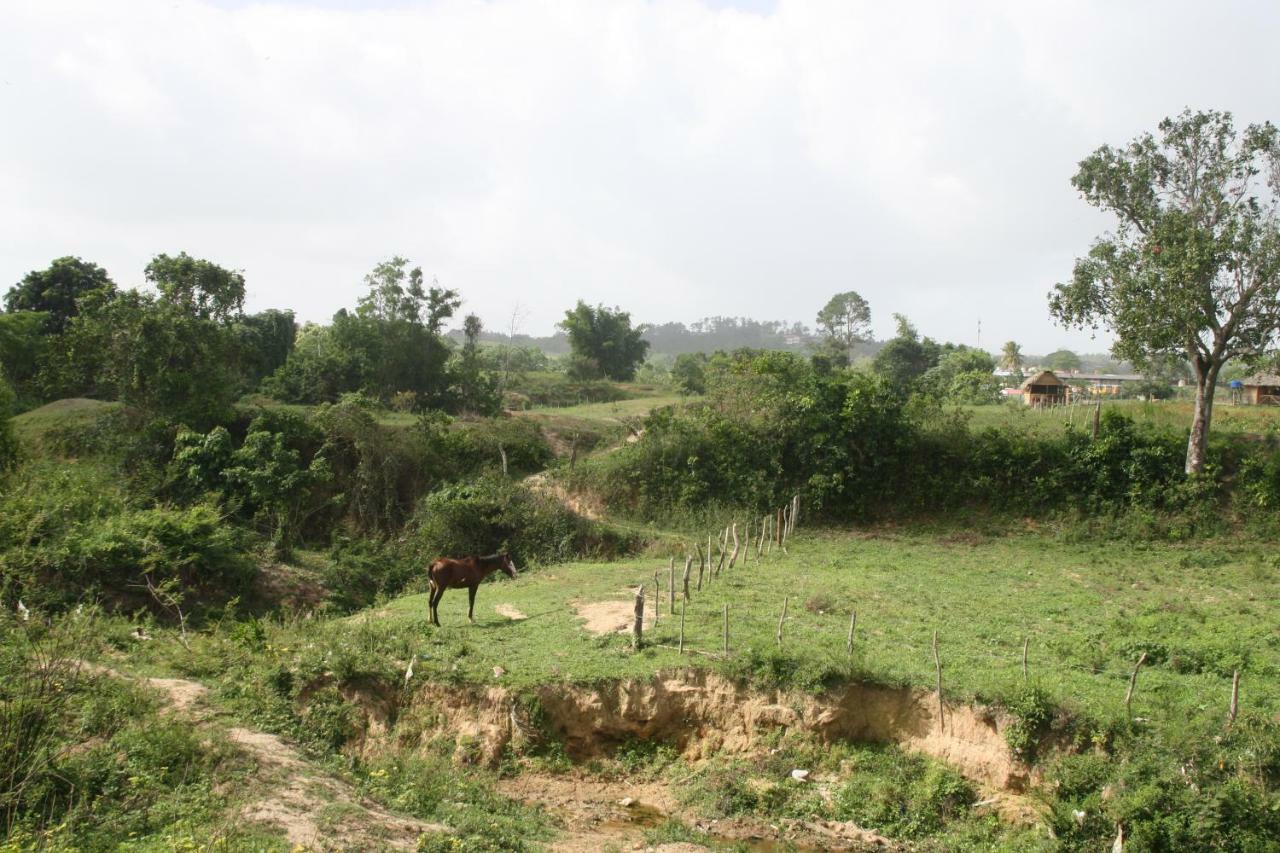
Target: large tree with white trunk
[{"x": 1192, "y": 267}]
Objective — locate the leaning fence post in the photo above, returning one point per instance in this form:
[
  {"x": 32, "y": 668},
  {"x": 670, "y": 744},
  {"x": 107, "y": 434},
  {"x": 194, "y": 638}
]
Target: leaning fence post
[
  {"x": 782, "y": 618},
  {"x": 657, "y": 598},
  {"x": 688, "y": 566},
  {"x": 733, "y": 558},
  {"x": 682, "y": 606},
  {"x": 1133, "y": 682},
  {"x": 848, "y": 646},
  {"x": 638, "y": 628},
  {"x": 1235, "y": 699},
  {"x": 937, "y": 662},
  {"x": 671, "y": 587},
  {"x": 702, "y": 563}
]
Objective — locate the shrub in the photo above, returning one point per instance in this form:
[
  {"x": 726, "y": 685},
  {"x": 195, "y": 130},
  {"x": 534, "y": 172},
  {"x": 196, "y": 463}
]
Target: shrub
[
  {"x": 493, "y": 513},
  {"x": 74, "y": 531},
  {"x": 902, "y": 795},
  {"x": 361, "y": 570}
]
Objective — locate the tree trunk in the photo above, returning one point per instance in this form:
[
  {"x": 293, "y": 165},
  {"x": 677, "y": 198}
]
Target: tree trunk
[{"x": 1206, "y": 382}]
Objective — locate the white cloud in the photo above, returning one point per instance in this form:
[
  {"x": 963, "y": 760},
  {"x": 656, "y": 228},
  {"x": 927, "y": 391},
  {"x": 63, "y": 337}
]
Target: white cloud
[{"x": 674, "y": 158}]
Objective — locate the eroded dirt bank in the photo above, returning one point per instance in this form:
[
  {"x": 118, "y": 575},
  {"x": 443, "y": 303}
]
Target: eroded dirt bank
[{"x": 702, "y": 714}]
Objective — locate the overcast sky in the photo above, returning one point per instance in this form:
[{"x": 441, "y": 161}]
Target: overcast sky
[{"x": 678, "y": 159}]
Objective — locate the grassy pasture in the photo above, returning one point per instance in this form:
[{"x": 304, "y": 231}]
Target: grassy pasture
[
  {"x": 1165, "y": 414},
  {"x": 1088, "y": 610},
  {"x": 31, "y": 427}
]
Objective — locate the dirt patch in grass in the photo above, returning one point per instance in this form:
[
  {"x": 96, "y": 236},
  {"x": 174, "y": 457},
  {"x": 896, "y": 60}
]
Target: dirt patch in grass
[
  {"x": 510, "y": 612},
  {"x": 611, "y": 617}
]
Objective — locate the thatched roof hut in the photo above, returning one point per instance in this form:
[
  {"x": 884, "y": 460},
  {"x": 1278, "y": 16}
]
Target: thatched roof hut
[
  {"x": 1262, "y": 389},
  {"x": 1044, "y": 389}
]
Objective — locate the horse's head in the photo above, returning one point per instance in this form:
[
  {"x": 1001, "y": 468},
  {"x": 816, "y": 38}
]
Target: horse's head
[{"x": 508, "y": 565}]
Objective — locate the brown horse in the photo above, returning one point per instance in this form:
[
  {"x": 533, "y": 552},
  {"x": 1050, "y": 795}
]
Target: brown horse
[{"x": 469, "y": 571}]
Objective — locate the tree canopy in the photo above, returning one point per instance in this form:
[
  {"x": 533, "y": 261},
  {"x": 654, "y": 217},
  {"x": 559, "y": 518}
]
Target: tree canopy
[
  {"x": 846, "y": 319},
  {"x": 603, "y": 342},
  {"x": 198, "y": 287},
  {"x": 1193, "y": 265},
  {"x": 56, "y": 290}
]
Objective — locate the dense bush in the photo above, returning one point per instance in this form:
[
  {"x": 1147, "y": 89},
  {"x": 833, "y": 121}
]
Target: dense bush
[
  {"x": 361, "y": 570},
  {"x": 493, "y": 513},
  {"x": 1192, "y": 789},
  {"x": 557, "y": 389},
  {"x": 8, "y": 441},
  {"x": 67, "y": 532},
  {"x": 852, "y": 445}
]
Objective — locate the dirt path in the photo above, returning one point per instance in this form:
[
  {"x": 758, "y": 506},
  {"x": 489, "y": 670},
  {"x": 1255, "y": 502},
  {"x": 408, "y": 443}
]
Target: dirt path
[{"x": 316, "y": 810}]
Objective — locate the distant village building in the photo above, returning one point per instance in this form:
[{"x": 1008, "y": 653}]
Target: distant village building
[
  {"x": 1044, "y": 389},
  {"x": 1262, "y": 389}
]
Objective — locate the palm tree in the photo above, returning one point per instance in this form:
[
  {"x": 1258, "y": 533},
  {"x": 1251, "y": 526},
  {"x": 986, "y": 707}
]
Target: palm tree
[{"x": 1011, "y": 357}]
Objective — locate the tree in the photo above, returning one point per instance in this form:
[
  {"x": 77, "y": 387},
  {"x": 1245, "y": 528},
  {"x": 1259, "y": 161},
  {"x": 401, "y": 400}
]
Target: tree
[
  {"x": 200, "y": 288},
  {"x": 1193, "y": 265},
  {"x": 846, "y": 319},
  {"x": 963, "y": 375},
  {"x": 689, "y": 373},
  {"x": 396, "y": 294},
  {"x": 263, "y": 342},
  {"x": 388, "y": 345},
  {"x": 56, "y": 290},
  {"x": 23, "y": 344},
  {"x": 905, "y": 357},
  {"x": 475, "y": 388},
  {"x": 1063, "y": 359},
  {"x": 603, "y": 342},
  {"x": 152, "y": 354},
  {"x": 1011, "y": 357}
]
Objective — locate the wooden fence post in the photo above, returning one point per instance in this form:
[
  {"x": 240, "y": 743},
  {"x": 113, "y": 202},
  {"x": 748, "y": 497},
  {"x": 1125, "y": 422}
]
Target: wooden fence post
[
  {"x": 733, "y": 558},
  {"x": 782, "y": 618},
  {"x": 688, "y": 566},
  {"x": 701, "y": 564},
  {"x": 682, "y": 606},
  {"x": 638, "y": 628},
  {"x": 937, "y": 662},
  {"x": 1235, "y": 699},
  {"x": 1133, "y": 682},
  {"x": 779, "y": 525},
  {"x": 657, "y": 598},
  {"x": 848, "y": 646},
  {"x": 1097, "y": 419},
  {"x": 671, "y": 587}
]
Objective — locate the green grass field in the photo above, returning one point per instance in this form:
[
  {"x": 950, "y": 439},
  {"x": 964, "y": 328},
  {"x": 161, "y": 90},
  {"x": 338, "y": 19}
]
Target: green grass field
[
  {"x": 1087, "y": 609},
  {"x": 31, "y": 427},
  {"x": 1168, "y": 414}
]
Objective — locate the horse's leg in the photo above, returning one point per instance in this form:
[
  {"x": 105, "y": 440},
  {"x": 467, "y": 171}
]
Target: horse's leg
[
  {"x": 436, "y": 595},
  {"x": 471, "y": 607}
]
